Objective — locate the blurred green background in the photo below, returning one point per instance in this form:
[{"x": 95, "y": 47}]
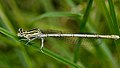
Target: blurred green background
[{"x": 66, "y": 16}]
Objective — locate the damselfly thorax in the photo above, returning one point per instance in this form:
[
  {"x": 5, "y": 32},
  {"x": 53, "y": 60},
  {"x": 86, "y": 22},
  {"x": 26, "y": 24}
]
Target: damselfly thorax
[{"x": 30, "y": 34}]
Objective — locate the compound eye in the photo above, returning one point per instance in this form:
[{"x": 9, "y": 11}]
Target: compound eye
[
  {"x": 20, "y": 35},
  {"x": 20, "y": 30}
]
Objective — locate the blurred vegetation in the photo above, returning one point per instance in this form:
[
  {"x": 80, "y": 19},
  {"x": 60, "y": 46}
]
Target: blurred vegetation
[{"x": 67, "y": 16}]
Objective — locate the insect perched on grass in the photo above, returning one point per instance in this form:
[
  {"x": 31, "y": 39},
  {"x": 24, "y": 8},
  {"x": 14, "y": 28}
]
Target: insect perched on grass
[{"x": 30, "y": 35}]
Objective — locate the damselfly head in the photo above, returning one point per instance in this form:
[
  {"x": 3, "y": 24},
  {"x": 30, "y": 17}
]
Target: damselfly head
[
  {"x": 20, "y": 30},
  {"x": 20, "y": 33}
]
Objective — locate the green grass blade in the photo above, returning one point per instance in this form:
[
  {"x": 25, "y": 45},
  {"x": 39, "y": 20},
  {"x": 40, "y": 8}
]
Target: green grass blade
[
  {"x": 58, "y": 57},
  {"x": 48, "y": 7},
  {"x": 86, "y": 15},
  {"x": 82, "y": 26},
  {"x": 22, "y": 51},
  {"x": 61, "y": 59},
  {"x": 112, "y": 12},
  {"x": 18, "y": 16},
  {"x": 55, "y": 14},
  {"x": 7, "y": 33},
  {"x": 111, "y": 22},
  {"x": 103, "y": 50},
  {"x": 114, "y": 19},
  {"x": 6, "y": 20}
]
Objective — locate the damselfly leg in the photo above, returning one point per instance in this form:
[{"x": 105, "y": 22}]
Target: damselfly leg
[{"x": 30, "y": 40}]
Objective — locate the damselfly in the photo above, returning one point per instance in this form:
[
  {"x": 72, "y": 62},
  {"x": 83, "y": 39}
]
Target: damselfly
[{"x": 30, "y": 35}]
